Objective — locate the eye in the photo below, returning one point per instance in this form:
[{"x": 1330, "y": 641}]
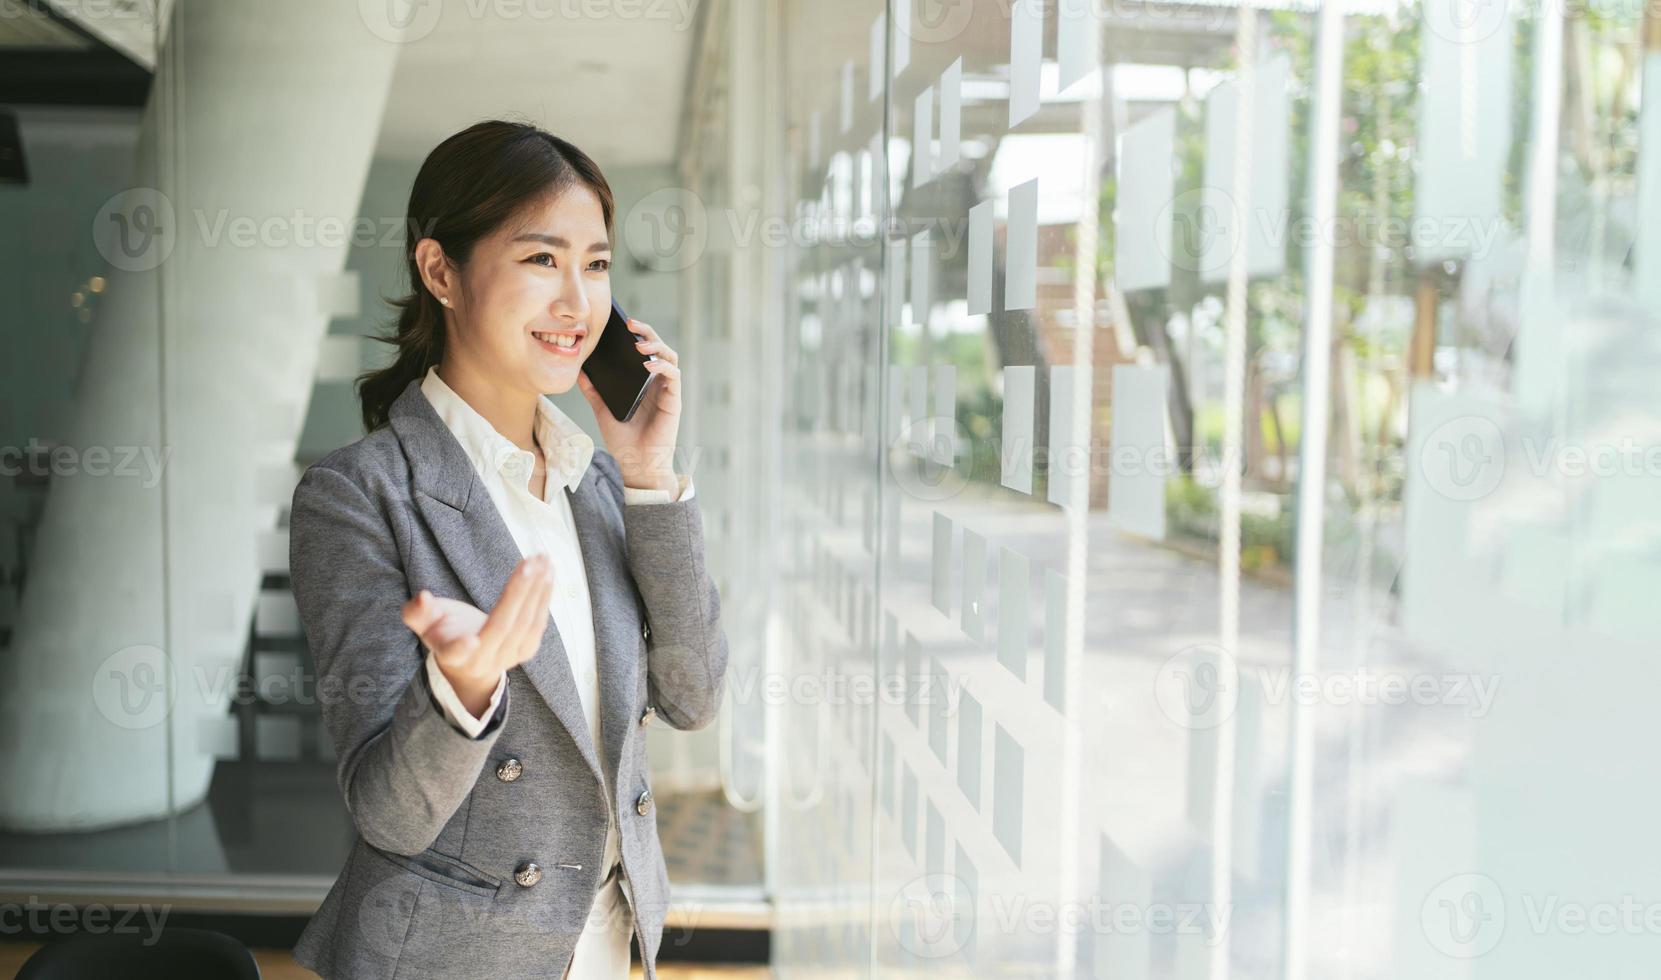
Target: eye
[
  {"x": 542, "y": 255},
  {"x": 603, "y": 264}
]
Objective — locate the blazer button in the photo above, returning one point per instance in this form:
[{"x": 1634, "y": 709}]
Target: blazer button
[
  {"x": 643, "y": 805},
  {"x": 509, "y": 770},
  {"x": 650, "y": 713},
  {"x": 645, "y": 631},
  {"x": 528, "y": 874}
]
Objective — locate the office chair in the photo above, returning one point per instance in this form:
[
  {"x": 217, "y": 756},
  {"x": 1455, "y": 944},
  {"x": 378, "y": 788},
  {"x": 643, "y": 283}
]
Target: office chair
[{"x": 196, "y": 953}]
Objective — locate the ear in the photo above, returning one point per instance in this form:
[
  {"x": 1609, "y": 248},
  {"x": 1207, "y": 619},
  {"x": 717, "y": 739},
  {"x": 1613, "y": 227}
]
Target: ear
[{"x": 436, "y": 272}]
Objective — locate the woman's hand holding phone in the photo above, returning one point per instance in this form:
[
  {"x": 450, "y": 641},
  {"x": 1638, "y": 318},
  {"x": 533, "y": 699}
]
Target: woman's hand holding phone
[
  {"x": 644, "y": 446},
  {"x": 473, "y": 649}
]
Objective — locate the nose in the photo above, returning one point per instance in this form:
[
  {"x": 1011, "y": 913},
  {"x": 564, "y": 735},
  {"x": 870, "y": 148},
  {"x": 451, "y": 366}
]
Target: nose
[{"x": 570, "y": 299}]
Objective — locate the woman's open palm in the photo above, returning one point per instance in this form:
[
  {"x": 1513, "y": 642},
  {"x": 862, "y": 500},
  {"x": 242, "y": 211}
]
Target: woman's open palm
[{"x": 472, "y": 646}]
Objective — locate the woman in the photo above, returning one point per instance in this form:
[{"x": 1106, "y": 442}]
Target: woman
[{"x": 494, "y": 763}]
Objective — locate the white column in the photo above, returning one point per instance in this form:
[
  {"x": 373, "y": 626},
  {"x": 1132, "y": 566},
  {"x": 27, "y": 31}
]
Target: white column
[{"x": 264, "y": 114}]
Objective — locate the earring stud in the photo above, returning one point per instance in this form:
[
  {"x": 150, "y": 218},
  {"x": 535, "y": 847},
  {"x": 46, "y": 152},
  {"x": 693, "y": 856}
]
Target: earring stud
[{"x": 445, "y": 300}]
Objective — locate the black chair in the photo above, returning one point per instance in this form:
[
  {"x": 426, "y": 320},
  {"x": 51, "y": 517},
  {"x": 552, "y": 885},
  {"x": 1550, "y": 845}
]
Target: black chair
[{"x": 195, "y": 953}]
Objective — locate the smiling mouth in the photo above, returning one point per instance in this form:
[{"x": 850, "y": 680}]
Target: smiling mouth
[{"x": 559, "y": 342}]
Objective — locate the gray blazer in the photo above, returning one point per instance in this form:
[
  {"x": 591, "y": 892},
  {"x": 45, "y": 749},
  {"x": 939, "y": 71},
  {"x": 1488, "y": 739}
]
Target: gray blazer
[{"x": 439, "y": 882}]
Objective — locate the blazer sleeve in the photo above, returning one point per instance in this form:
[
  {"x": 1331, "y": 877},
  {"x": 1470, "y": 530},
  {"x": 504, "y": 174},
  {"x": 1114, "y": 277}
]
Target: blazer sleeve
[
  {"x": 686, "y": 650},
  {"x": 403, "y": 768}
]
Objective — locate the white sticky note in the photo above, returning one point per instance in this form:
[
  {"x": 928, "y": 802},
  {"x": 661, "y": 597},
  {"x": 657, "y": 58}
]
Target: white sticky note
[
  {"x": 951, "y": 117},
  {"x": 896, "y": 402},
  {"x": 1066, "y": 445},
  {"x": 922, "y": 260},
  {"x": 902, "y": 36},
  {"x": 897, "y": 272},
  {"x": 879, "y": 174},
  {"x": 1122, "y": 953},
  {"x": 1021, "y": 253},
  {"x": 1254, "y": 219},
  {"x": 1074, "y": 52},
  {"x": 1026, "y": 51},
  {"x": 1464, "y": 139},
  {"x": 969, "y": 753},
  {"x": 980, "y": 258},
  {"x": 1142, "y": 237},
  {"x": 940, "y": 581},
  {"x": 1008, "y": 795},
  {"x": 879, "y": 29},
  {"x": 974, "y": 586},
  {"x": 919, "y": 410},
  {"x": 1055, "y": 639},
  {"x": 922, "y": 137},
  {"x": 1013, "y": 624},
  {"x": 847, "y": 95},
  {"x": 939, "y": 709},
  {"x": 1142, "y": 460},
  {"x": 943, "y": 437},
  {"x": 1017, "y": 427},
  {"x": 813, "y": 138}
]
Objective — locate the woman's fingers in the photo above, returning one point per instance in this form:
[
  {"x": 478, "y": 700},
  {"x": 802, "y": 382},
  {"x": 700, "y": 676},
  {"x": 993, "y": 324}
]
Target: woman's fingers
[
  {"x": 652, "y": 342},
  {"x": 671, "y": 374},
  {"x": 528, "y": 628},
  {"x": 420, "y": 612},
  {"x": 506, "y": 613}
]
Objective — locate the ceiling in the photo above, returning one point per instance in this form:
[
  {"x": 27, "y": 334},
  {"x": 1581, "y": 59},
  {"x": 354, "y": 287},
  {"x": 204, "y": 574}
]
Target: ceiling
[{"x": 611, "y": 84}]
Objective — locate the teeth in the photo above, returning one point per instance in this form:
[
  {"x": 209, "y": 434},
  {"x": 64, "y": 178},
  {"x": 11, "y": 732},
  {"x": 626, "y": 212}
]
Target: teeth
[{"x": 557, "y": 339}]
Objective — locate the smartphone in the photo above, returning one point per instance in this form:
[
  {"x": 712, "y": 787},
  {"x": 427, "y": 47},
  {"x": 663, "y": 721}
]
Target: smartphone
[{"x": 617, "y": 367}]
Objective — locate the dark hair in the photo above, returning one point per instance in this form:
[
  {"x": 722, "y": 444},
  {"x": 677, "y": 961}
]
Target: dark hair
[{"x": 468, "y": 186}]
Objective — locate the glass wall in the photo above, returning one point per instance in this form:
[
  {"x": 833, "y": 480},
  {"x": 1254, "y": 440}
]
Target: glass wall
[
  {"x": 198, "y": 282},
  {"x": 1213, "y": 493}
]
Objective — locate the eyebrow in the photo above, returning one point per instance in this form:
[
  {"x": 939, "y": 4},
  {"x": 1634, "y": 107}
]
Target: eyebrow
[{"x": 558, "y": 242}]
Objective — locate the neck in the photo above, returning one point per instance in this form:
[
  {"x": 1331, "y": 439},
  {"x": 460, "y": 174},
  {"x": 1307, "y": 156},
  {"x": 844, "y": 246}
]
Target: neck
[{"x": 509, "y": 411}]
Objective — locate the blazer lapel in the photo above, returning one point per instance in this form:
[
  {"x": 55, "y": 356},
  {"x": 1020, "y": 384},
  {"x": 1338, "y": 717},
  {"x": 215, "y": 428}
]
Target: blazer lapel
[
  {"x": 616, "y": 617},
  {"x": 482, "y": 552}
]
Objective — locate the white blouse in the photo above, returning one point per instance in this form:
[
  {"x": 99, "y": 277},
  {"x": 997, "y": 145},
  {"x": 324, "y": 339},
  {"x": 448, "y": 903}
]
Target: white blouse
[{"x": 542, "y": 526}]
